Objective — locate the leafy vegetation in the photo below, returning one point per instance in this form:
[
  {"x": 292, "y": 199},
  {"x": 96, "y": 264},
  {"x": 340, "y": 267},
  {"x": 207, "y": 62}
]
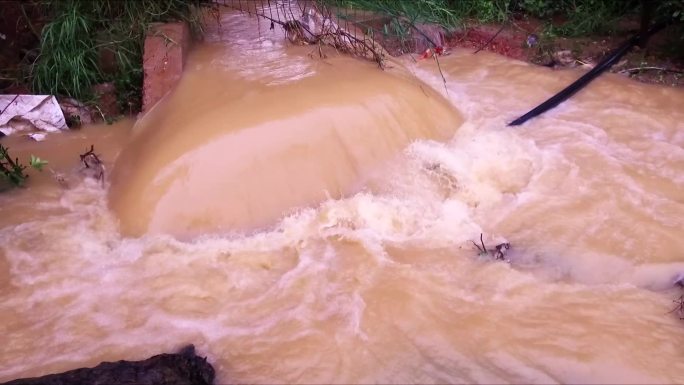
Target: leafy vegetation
[
  {"x": 570, "y": 17},
  {"x": 81, "y": 32},
  {"x": 37, "y": 163},
  {"x": 12, "y": 171}
]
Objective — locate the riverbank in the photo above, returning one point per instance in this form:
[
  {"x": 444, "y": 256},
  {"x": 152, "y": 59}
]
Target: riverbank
[
  {"x": 378, "y": 283},
  {"x": 529, "y": 40}
]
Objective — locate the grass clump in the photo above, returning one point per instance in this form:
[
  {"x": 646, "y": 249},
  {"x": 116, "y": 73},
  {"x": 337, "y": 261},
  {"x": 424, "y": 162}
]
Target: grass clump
[
  {"x": 564, "y": 17},
  {"x": 81, "y": 32},
  {"x": 419, "y": 11}
]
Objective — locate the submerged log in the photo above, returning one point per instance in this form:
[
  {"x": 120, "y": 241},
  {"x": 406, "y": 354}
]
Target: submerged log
[{"x": 182, "y": 368}]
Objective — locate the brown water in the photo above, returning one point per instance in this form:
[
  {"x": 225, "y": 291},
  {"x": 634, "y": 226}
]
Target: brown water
[
  {"x": 378, "y": 282},
  {"x": 205, "y": 163}
]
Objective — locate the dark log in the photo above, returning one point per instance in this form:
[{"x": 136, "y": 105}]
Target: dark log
[{"x": 182, "y": 368}]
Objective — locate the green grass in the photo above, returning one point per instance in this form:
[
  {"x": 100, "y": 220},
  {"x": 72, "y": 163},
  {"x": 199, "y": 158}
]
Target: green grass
[
  {"x": 571, "y": 17},
  {"x": 80, "y": 30},
  {"x": 420, "y": 11}
]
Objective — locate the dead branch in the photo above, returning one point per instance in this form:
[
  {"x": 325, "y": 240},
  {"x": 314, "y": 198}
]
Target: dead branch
[
  {"x": 499, "y": 252},
  {"x": 330, "y": 33},
  {"x": 639, "y": 69},
  {"x": 438, "y": 51},
  {"x": 439, "y": 67},
  {"x": 478, "y": 247},
  {"x": 484, "y": 248},
  {"x": 93, "y": 164}
]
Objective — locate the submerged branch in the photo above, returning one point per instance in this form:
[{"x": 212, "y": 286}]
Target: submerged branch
[
  {"x": 92, "y": 164},
  {"x": 499, "y": 252}
]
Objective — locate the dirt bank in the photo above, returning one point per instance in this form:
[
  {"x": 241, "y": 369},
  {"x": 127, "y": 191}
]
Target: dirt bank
[{"x": 529, "y": 40}]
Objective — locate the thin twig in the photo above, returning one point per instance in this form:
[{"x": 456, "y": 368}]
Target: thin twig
[
  {"x": 478, "y": 246},
  {"x": 439, "y": 67},
  {"x": 434, "y": 47},
  {"x": 91, "y": 161},
  {"x": 483, "y": 245},
  {"x": 639, "y": 69},
  {"x": 491, "y": 39}
]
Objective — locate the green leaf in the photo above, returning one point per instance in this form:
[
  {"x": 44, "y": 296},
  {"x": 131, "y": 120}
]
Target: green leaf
[{"x": 37, "y": 163}]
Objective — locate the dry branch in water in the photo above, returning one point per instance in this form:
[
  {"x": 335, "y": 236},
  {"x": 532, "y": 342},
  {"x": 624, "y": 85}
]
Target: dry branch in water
[
  {"x": 316, "y": 25},
  {"x": 93, "y": 166},
  {"x": 482, "y": 250},
  {"x": 499, "y": 252}
]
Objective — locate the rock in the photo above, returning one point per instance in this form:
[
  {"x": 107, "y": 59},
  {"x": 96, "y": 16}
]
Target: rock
[
  {"x": 564, "y": 58},
  {"x": 106, "y": 106},
  {"x": 75, "y": 112},
  {"x": 182, "y": 368}
]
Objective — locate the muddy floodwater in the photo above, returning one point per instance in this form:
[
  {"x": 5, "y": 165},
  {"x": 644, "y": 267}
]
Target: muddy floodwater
[{"x": 310, "y": 221}]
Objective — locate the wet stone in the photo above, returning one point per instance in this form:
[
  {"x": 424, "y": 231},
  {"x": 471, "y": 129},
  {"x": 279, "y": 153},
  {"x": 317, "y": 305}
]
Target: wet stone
[{"x": 182, "y": 368}]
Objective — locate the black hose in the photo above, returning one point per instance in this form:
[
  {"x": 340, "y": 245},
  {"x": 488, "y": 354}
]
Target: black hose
[{"x": 588, "y": 77}]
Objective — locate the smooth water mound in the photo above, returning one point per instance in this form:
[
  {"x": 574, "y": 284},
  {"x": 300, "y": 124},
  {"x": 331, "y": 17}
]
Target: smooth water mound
[{"x": 224, "y": 154}]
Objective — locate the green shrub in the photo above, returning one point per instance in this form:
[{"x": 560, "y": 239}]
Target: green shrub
[
  {"x": 571, "y": 17},
  {"x": 12, "y": 171},
  {"x": 71, "y": 44}
]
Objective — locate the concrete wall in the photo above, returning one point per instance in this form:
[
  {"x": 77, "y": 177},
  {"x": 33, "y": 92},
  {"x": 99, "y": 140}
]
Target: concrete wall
[{"x": 166, "y": 48}]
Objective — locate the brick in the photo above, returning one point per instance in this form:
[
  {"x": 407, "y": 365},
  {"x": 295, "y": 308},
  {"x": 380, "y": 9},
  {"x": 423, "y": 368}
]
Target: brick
[{"x": 166, "y": 48}]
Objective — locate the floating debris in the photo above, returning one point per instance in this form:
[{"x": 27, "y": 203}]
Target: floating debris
[
  {"x": 499, "y": 252},
  {"x": 93, "y": 166}
]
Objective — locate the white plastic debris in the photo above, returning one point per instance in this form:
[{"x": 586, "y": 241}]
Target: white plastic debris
[
  {"x": 30, "y": 113},
  {"x": 37, "y": 136}
]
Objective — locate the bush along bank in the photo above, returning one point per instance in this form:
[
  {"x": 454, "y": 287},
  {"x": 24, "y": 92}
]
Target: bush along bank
[
  {"x": 84, "y": 44},
  {"x": 555, "y": 33}
]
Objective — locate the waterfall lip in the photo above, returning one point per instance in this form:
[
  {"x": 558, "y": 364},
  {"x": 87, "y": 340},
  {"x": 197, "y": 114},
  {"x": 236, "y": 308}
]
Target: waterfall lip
[{"x": 309, "y": 140}]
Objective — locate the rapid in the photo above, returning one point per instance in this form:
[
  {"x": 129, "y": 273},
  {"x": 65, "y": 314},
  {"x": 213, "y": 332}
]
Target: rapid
[{"x": 309, "y": 220}]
